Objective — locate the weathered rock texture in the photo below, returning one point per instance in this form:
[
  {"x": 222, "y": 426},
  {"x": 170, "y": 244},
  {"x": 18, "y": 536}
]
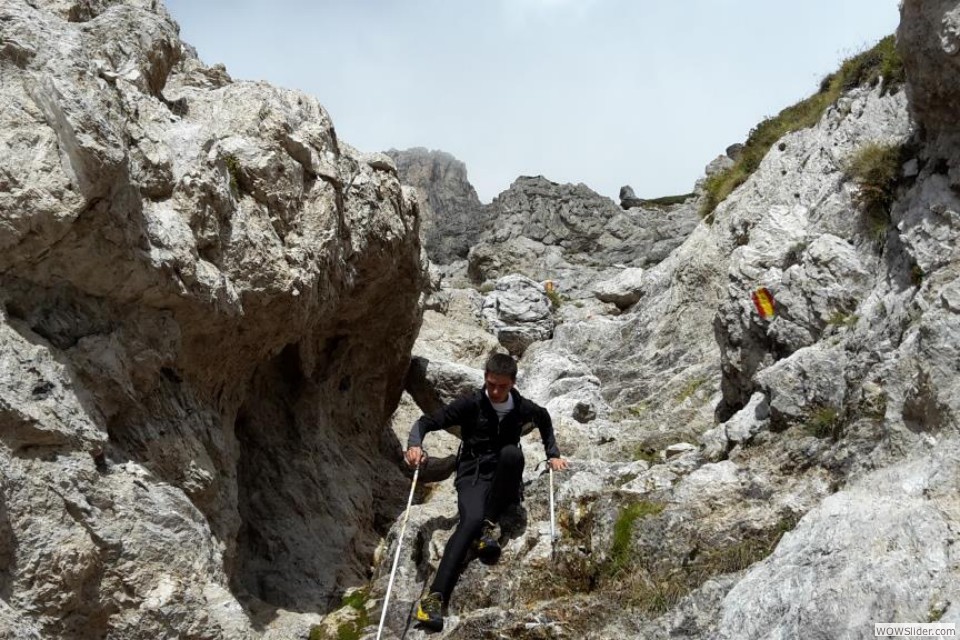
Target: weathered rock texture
[
  {"x": 825, "y": 438},
  {"x": 195, "y": 390},
  {"x": 208, "y": 305},
  {"x": 451, "y": 216},
  {"x": 588, "y": 229}
]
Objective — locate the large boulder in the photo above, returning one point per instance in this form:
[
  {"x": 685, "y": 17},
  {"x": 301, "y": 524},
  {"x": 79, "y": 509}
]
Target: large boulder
[
  {"x": 623, "y": 290},
  {"x": 928, "y": 40},
  {"x": 517, "y": 311},
  {"x": 204, "y": 293}
]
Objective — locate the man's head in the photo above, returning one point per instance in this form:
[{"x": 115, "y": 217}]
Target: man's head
[{"x": 499, "y": 376}]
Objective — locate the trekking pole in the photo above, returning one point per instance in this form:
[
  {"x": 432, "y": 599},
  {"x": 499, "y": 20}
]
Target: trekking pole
[
  {"x": 553, "y": 526},
  {"x": 396, "y": 556}
]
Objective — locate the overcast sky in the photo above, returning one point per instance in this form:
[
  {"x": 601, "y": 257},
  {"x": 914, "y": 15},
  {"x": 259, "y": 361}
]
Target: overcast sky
[{"x": 604, "y": 92}]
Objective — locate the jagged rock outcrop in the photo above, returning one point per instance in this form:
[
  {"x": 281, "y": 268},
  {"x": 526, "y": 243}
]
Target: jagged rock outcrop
[
  {"x": 824, "y": 432},
  {"x": 590, "y": 230},
  {"x": 208, "y": 305},
  {"x": 194, "y": 389},
  {"x": 629, "y": 199},
  {"x": 452, "y": 216},
  {"x": 517, "y": 312}
]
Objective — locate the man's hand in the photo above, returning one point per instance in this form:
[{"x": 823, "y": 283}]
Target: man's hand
[
  {"x": 558, "y": 464},
  {"x": 415, "y": 456}
]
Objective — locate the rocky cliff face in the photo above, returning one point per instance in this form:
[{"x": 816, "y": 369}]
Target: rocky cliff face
[
  {"x": 208, "y": 305},
  {"x": 568, "y": 233},
  {"x": 451, "y": 215},
  {"x": 740, "y": 477}
]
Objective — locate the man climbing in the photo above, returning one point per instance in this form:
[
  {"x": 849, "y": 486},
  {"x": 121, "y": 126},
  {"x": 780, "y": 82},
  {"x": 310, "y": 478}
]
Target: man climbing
[{"x": 489, "y": 470}]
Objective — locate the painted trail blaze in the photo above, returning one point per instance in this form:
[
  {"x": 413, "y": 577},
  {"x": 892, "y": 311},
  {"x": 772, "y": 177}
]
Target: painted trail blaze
[{"x": 763, "y": 301}]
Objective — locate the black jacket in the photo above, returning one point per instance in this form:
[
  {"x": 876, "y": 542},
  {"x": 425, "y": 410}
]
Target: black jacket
[{"x": 480, "y": 429}]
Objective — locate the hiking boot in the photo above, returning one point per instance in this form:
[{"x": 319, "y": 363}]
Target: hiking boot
[
  {"x": 488, "y": 545},
  {"x": 430, "y": 611}
]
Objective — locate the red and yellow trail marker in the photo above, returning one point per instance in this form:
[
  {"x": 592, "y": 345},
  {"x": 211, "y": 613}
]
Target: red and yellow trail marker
[{"x": 763, "y": 301}]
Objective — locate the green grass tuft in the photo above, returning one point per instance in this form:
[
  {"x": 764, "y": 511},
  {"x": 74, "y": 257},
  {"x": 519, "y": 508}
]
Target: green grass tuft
[
  {"x": 875, "y": 168},
  {"x": 351, "y": 629},
  {"x": 667, "y": 201},
  {"x": 556, "y": 299},
  {"x": 656, "y": 592},
  {"x": 843, "y": 319},
  {"x": 824, "y": 422},
  {"x": 621, "y": 554},
  {"x": 233, "y": 169},
  {"x": 690, "y": 388},
  {"x": 916, "y": 275}
]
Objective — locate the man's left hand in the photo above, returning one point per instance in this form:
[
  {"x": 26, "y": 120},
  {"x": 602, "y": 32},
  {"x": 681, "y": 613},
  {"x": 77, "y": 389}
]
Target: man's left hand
[{"x": 558, "y": 464}]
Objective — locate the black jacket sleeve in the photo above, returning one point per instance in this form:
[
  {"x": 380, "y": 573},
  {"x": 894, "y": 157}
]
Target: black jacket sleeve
[
  {"x": 545, "y": 425},
  {"x": 453, "y": 414}
]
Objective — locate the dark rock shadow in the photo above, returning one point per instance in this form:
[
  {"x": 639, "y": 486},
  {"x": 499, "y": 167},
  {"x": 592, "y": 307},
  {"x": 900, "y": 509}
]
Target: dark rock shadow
[{"x": 8, "y": 548}]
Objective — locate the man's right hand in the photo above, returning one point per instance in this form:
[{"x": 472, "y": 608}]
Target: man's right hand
[{"x": 415, "y": 456}]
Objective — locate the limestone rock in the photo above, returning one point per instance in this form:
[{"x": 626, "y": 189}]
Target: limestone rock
[
  {"x": 836, "y": 546},
  {"x": 204, "y": 293},
  {"x": 589, "y": 228},
  {"x": 517, "y": 311},
  {"x": 928, "y": 40},
  {"x": 452, "y": 216},
  {"x": 795, "y": 224},
  {"x": 624, "y": 290},
  {"x": 434, "y": 384},
  {"x": 628, "y": 199},
  {"x": 718, "y": 164}
]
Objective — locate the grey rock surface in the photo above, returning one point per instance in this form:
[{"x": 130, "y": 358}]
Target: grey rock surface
[
  {"x": 433, "y": 384},
  {"x": 823, "y": 432},
  {"x": 623, "y": 290},
  {"x": 208, "y": 306},
  {"x": 452, "y": 216},
  {"x": 590, "y": 229},
  {"x": 629, "y": 199},
  {"x": 859, "y": 538},
  {"x": 518, "y": 313},
  {"x": 197, "y": 426}
]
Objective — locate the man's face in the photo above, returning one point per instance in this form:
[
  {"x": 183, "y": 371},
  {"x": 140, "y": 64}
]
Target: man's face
[{"x": 497, "y": 386}]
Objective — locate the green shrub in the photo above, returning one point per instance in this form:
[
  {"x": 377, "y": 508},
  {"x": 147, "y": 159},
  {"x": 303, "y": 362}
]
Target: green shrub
[
  {"x": 916, "y": 275},
  {"x": 647, "y": 454},
  {"x": 824, "y": 422},
  {"x": 936, "y": 610},
  {"x": 865, "y": 68},
  {"x": 555, "y": 298},
  {"x": 875, "y": 168},
  {"x": 233, "y": 169}
]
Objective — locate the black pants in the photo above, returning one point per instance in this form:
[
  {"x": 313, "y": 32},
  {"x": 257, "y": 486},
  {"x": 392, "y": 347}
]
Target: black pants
[{"x": 486, "y": 486}]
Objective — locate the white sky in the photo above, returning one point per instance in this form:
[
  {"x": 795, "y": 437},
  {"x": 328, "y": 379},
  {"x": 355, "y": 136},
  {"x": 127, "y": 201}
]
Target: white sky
[{"x": 604, "y": 92}]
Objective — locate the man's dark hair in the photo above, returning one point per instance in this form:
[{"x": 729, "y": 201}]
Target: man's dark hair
[{"x": 500, "y": 364}]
